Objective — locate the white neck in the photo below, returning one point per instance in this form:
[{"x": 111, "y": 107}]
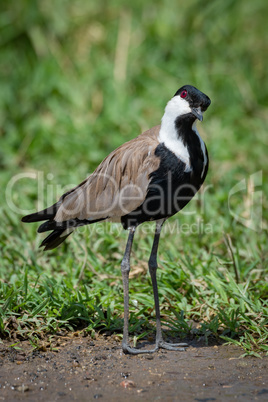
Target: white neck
[{"x": 168, "y": 133}]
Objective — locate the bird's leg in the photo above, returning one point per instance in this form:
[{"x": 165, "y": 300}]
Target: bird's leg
[
  {"x": 153, "y": 268},
  {"x": 125, "y": 268}
]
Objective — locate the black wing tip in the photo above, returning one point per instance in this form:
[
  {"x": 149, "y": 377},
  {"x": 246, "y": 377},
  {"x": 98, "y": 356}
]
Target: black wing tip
[
  {"x": 45, "y": 247},
  {"x": 30, "y": 218},
  {"x": 53, "y": 240},
  {"x": 45, "y": 214},
  {"x": 46, "y": 226}
]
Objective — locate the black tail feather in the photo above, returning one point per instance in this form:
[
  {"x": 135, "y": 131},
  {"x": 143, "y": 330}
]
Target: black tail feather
[
  {"x": 54, "y": 239},
  {"x": 70, "y": 224},
  {"x": 50, "y": 225},
  {"x": 47, "y": 213}
]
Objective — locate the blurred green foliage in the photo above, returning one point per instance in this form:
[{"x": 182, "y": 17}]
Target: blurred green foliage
[
  {"x": 78, "y": 79},
  {"x": 91, "y": 75}
]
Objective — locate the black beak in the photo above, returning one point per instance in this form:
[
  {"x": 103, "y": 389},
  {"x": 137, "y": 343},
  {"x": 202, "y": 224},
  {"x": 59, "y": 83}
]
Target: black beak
[{"x": 198, "y": 113}]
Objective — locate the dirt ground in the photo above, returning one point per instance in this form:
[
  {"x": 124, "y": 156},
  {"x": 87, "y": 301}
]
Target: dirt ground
[{"x": 82, "y": 369}]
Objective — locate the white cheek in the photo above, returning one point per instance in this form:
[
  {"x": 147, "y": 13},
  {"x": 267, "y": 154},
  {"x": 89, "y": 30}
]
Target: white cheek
[
  {"x": 182, "y": 105},
  {"x": 177, "y": 106}
]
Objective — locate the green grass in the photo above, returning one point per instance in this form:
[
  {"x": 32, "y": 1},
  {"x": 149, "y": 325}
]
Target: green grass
[{"x": 77, "y": 80}]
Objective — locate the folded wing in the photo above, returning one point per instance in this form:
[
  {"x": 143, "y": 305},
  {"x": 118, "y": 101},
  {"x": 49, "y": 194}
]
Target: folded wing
[{"x": 118, "y": 186}]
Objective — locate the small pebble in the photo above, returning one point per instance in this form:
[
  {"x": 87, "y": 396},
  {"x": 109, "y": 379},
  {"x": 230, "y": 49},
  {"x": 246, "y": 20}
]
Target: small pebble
[
  {"x": 20, "y": 357},
  {"x": 125, "y": 375},
  {"x": 23, "y": 388},
  {"x": 242, "y": 364},
  {"x": 128, "y": 384},
  {"x": 149, "y": 357}
]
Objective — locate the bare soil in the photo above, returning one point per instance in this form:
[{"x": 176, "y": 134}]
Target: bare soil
[{"x": 83, "y": 370}]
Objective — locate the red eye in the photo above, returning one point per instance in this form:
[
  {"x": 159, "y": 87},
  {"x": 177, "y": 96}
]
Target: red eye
[{"x": 184, "y": 93}]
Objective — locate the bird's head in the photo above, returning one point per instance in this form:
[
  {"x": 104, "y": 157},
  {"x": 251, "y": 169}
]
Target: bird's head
[{"x": 189, "y": 101}]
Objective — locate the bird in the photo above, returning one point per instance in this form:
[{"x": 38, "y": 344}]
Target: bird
[{"x": 149, "y": 178}]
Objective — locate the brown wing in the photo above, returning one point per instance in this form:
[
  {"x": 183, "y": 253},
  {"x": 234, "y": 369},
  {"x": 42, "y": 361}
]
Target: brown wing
[{"x": 118, "y": 185}]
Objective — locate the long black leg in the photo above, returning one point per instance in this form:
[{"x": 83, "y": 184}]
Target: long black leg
[
  {"x": 153, "y": 268},
  {"x": 125, "y": 268}
]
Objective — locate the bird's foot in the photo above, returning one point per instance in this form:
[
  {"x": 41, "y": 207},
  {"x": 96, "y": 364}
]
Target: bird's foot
[
  {"x": 172, "y": 346},
  {"x": 159, "y": 345},
  {"x": 134, "y": 351}
]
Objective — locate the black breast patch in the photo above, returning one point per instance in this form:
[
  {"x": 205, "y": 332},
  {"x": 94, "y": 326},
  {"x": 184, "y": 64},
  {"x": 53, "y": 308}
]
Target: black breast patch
[{"x": 170, "y": 189}]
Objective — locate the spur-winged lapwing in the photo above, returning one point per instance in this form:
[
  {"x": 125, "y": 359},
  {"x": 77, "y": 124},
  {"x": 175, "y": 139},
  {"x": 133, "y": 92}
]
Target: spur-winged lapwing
[{"x": 149, "y": 178}]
